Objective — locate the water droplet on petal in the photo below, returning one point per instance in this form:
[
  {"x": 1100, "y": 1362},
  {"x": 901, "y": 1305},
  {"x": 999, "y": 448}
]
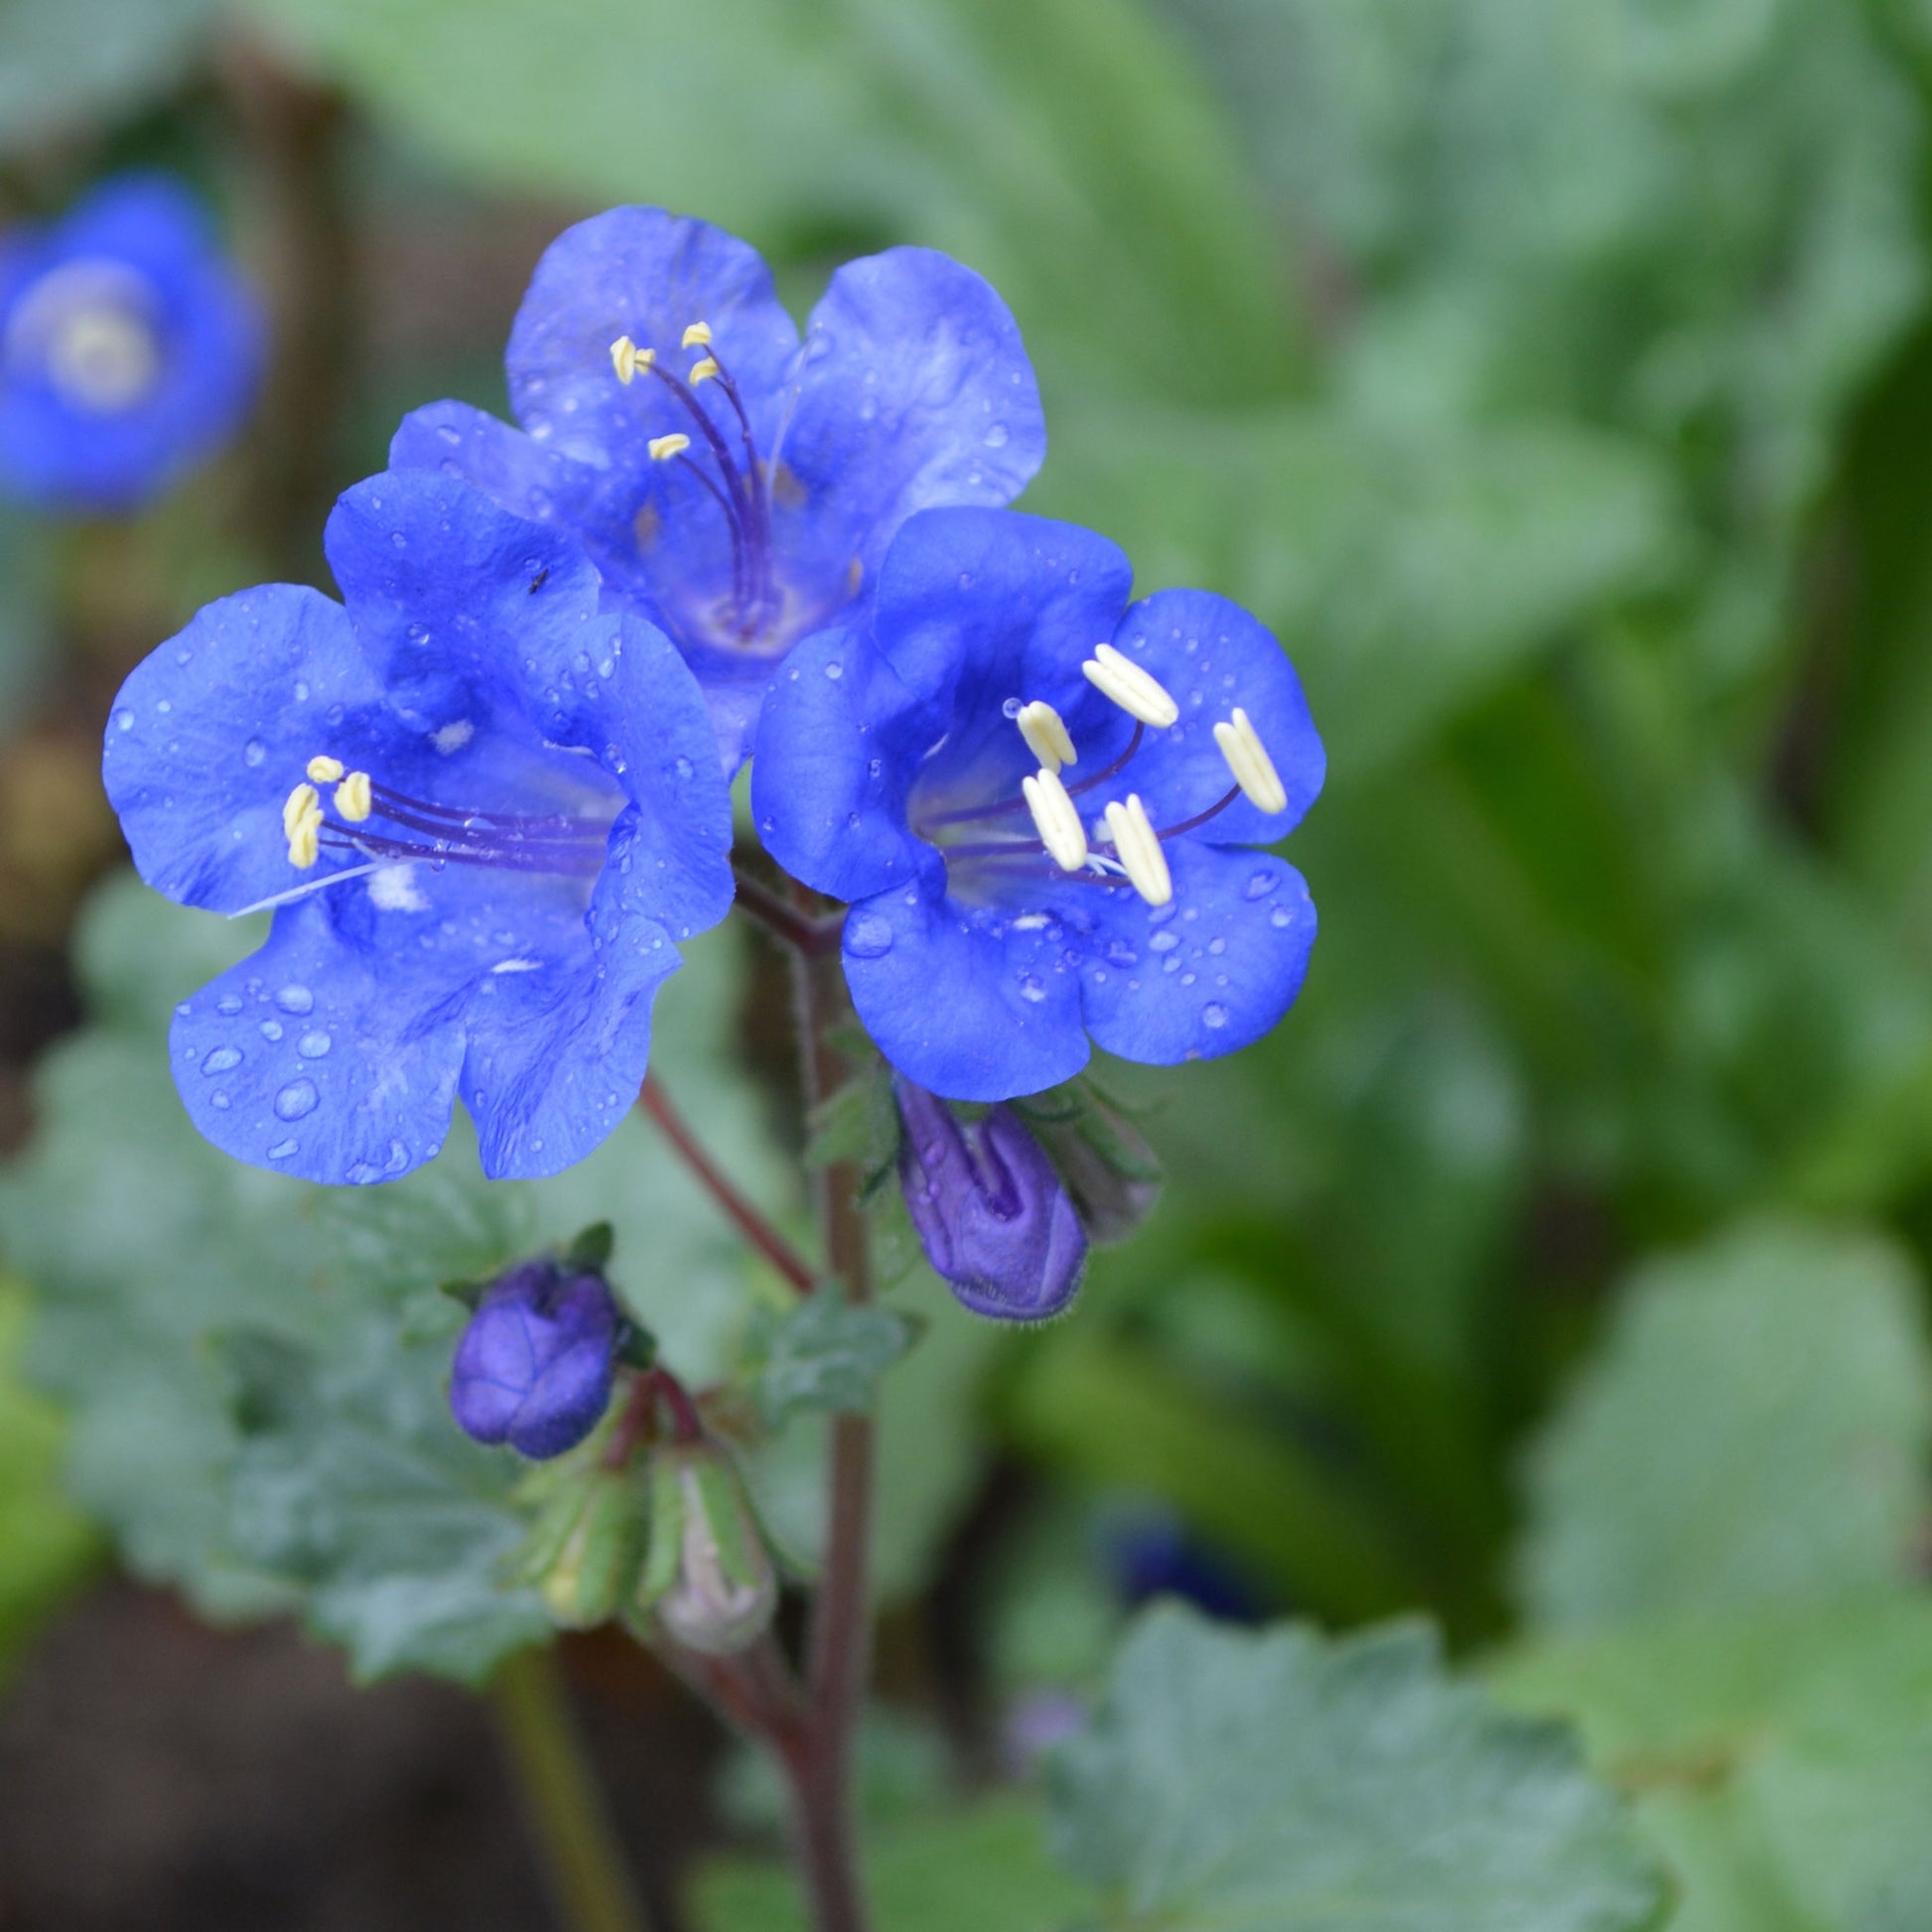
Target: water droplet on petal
[
  {"x": 271, "y": 1030},
  {"x": 254, "y": 754},
  {"x": 295, "y": 998},
  {"x": 299, "y": 1097},
  {"x": 312, "y": 1047},
  {"x": 1261, "y": 885},
  {"x": 283, "y": 1148},
  {"x": 1165, "y": 941},
  {"x": 835, "y": 669},
  {"x": 124, "y": 720},
  {"x": 1012, "y": 708},
  {"x": 1213, "y": 1014},
  {"x": 1032, "y": 989},
  {"x": 682, "y": 767},
  {"x": 220, "y": 1059},
  {"x": 867, "y": 935},
  {"x": 995, "y": 437},
  {"x": 228, "y": 1002},
  {"x": 1280, "y": 917}
]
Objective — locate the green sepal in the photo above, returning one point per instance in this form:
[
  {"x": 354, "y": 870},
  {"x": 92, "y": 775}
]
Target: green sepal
[
  {"x": 589, "y": 1251},
  {"x": 709, "y": 1578},
  {"x": 666, "y": 1547},
  {"x": 470, "y": 1294},
  {"x": 1103, "y": 1160},
  {"x": 590, "y": 1573},
  {"x": 638, "y": 1348}
]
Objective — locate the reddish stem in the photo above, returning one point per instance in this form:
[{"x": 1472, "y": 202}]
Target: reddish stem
[{"x": 743, "y": 1215}]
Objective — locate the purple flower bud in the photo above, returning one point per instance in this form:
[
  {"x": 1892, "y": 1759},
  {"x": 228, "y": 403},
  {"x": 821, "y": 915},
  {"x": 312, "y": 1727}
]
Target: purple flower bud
[
  {"x": 534, "y": 1366},
  {"x": 990, "y": 1209}
]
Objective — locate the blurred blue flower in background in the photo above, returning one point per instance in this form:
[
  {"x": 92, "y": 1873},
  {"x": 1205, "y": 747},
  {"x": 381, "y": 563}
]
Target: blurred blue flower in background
[
  {"x": 128, "y": 348},
  {"x": 991, "y": 1214},
  {"x": 734, "y": 486},
  {"x": 535, "y": 1365},
  {"x": 999, "y": 915},
  {"x": 484, "y": 810}
]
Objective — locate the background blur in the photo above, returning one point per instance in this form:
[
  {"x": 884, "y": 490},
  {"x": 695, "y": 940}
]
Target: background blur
[{"x": 1557, "y": 381}]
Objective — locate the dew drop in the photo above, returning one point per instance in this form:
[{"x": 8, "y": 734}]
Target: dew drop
[
  {"x": 867, "y": 937},
  {"x": 1165, "y": 941},
  {"x": 1214, "y": 1013},
  {"x": 682, "y": 767},
  {"x": 123, "y": 720},
  {"x": 254, "y": 754},
  {"x": 271, "y": 1030},
  {"x": 1012, "y": 708},
  {"x": 364, "y": 1172},
  {"x": 228, "y": 1002},
  {"x": 835, "y": 670},
  {"x": 1032, "y": 989},
  {"x": 283, "y": 1148},
  {"x": 874, "y": 767},
  {"x": 1280, "y": 917},
  {"x": 312, "y": 1047},
  {"x": 295, "y": 997},
  {"x": 220, "y": 1101},
  {"x": 299, "y": 1097},
  {"x": 220, "y": 1059},
  {"x": 1218, "y": 945},
  {"x": 995, "y": 437},
  {"x": 300, "y": 692},
  {"x": 1121, "y": 954},
  {"x": 417, "y": 634}
]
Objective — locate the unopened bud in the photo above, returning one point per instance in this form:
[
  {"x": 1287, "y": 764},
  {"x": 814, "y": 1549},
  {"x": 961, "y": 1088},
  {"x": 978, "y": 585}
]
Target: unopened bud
[
  {"x": 708, "y": 1575},
  {"x": 583, "y": 1552},
  {"x": 990, "y": 1210},
  {"x": 534, "y": 1366}
]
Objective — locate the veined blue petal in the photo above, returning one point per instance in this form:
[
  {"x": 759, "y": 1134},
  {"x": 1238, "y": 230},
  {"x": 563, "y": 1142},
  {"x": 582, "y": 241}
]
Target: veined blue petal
[
  {"x": 975, "y": 1004},
  {"x": 915, "y": 390}
]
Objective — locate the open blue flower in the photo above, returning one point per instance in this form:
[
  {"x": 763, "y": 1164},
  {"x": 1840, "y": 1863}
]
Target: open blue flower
[
  {"x": 484, "y": 810},
  {"x": 734, "y": 486},
  {"x": 1043, "y": 804},
  {"x": 128, "y": 348}
]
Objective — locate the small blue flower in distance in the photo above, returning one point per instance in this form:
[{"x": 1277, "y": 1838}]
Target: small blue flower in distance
[
  {"x": 535, "y": 1365},
  {"x": 128, "y": 348},
  {"x": 1042, "y": 803},
  {"x": 483, "y": 812},
  {"x": 989, "y": 1209},
  {"x": 734, "y": 485}
]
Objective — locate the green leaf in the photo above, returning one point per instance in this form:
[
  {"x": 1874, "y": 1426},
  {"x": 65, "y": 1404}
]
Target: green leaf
[
  {"x": 65, "y": 61},
  {"x": 825, "y": 1354},
  {"x": 1780, "y": 1759},
  {"x": 1257, "y": 1780},
  {"x": 1754, "y": 1429},
  {"x": 46, "y": 1546},
  {"x": 966, "y": 1873},
  {"x": 352, "y": 1479}
]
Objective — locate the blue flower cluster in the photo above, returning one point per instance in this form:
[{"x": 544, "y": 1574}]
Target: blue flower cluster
[
  {"x": 485, "y": 794},
  {"x": 128, "y": 348}
]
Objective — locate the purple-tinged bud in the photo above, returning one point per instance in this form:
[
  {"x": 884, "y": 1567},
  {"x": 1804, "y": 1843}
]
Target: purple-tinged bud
[
  {"x": 535, "y": 1365},
  {"x": 709, "y": 1575},
  {"x": 990, "y": 1210}
]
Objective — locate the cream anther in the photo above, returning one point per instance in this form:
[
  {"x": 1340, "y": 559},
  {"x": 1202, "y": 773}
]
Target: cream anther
[
  {"x": 1045, "y": 734},
  {"x": 1254, "y": 770},
  {"x": 323, "y": 770},
  {"x": 352, "y": 797},
  {"x": 663, "y": 447},
  {"x": 1137, "y": 693},
  {"x": 628, "y": 359},
  {"x": 697, "y": 334},
  {"x": 1056, "y": 819},
  {"x": 703, "y": 371},
  {"x": 1138, "y": 849},
  {"x": 305, "y": 842},
  {"x": 300, "y": 804}
]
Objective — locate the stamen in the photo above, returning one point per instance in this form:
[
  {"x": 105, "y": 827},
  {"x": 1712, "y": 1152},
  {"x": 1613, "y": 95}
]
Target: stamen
[
  {"x": 305, "y": 841},
  {"x": 628, "y": 359},
  {"x": 302, "y": 800},
  {"x": 352, "y": 797},
  {"x": 1047, "y": 735},
  {"x": 1139, "y": 849},
  {"x": 1058, "y": 820},
  {"x": 1135, "y": 691},
  {"x": 323, "y": 770},
  {"x": 702, "y": 371},
  {"x": 697, "y": 334},
  {"x": 663, "y": 447},
  {"x": 1254, "y": 770}
]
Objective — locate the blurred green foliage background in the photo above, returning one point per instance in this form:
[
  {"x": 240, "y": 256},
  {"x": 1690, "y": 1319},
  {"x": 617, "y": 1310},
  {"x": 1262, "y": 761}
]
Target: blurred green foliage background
[{"x": 1555, "y": 379}]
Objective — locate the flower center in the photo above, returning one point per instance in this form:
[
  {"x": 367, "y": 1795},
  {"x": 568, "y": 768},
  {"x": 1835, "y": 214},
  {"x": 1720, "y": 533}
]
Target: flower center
[
  {"x": 86, "y": 329},
  {"x": 388, "y": 828},
  {"x": 737, "y": 482},
  {"x": 1125, "y": 848}
]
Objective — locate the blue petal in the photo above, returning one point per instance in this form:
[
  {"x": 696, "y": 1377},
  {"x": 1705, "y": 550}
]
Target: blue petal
[
  {"x": 1212, "y": 656},
  {"x": 972, "y": 1004},
  {"x": 212, "y": 732},
  {"x": 1210, "y": 972},
  {"x": 839, "y": 743},
  {"x": 914, "y": 391},
  {"x": 321, "y": 1056},
  {"x": 516, "y": 473},
  {"x": 646, "y": 274}
]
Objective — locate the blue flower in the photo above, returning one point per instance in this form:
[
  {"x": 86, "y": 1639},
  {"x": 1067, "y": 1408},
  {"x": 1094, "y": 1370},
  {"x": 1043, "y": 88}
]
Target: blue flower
[
  {"x": 988, "y": 1209},
  {"x": 925, "y": 770},
  {"x": 483, "y": 812},
  {"x": 535, "y": 1365},
  {"x": 734, "y": 485},
  {"x": 128, "y": 348}
]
